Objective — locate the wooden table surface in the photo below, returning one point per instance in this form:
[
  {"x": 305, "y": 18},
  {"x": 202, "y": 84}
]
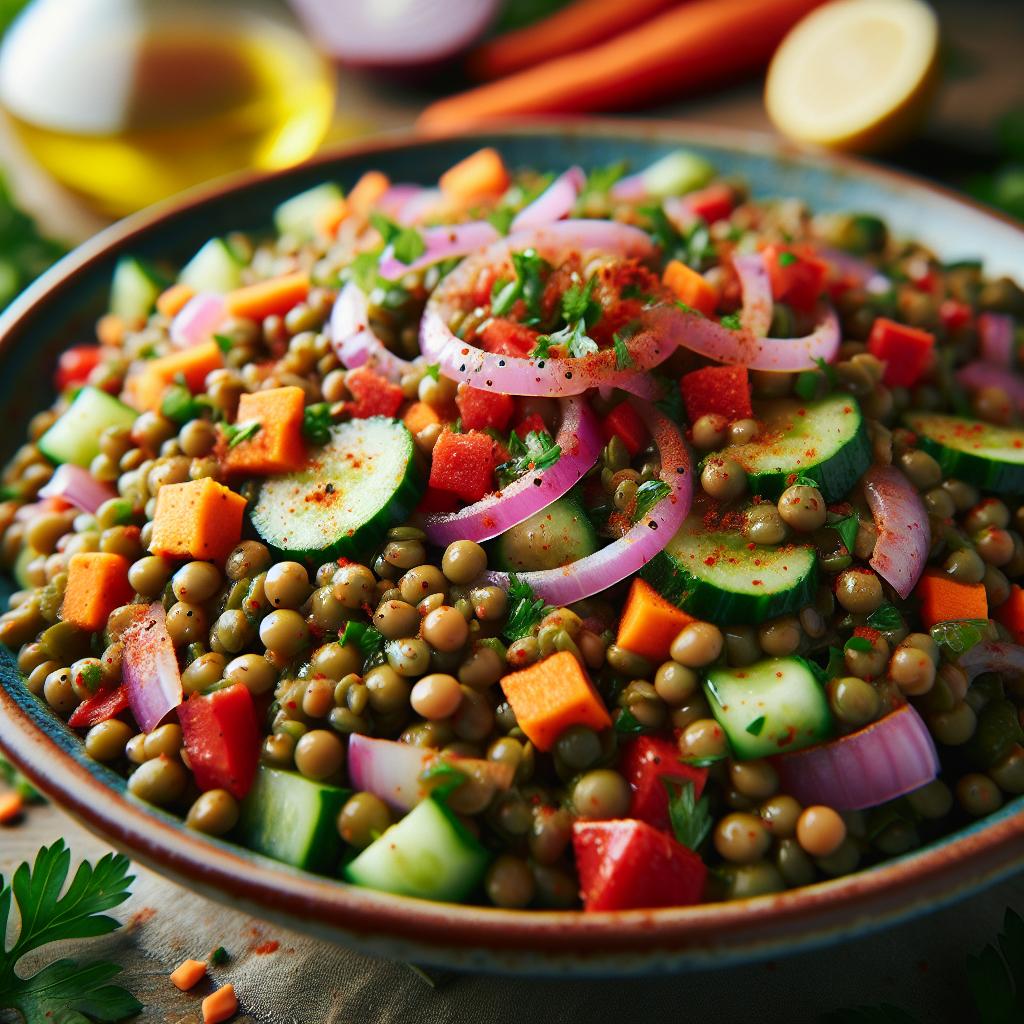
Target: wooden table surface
[{"x": 984, "y": 79}]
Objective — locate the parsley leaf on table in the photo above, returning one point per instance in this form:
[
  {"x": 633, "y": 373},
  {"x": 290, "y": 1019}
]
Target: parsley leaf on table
[{"x": 63, "y": 990}]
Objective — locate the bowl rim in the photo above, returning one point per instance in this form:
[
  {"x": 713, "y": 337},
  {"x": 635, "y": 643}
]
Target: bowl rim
[{"x": 482, "y": 937}]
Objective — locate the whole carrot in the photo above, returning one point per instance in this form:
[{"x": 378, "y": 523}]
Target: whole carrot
[
  {"x": 691, "y": 46},
  {"x": 581, "y": 24}
]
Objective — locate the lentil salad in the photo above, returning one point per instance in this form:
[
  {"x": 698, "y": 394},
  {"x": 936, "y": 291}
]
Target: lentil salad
[{"x": 573, "y": 744}]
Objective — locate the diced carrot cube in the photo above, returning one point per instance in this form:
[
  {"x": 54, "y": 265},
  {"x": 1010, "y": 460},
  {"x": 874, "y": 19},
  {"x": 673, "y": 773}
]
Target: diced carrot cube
[
  {"x": 188, "y": 974},
  {"x": 198, "y": 519},
  {"x": 906, "y": 351},
  {"x": 478, "y": 176},
  {"x": 277, "y": 447},
  {"x": 690, "y": 287},
  {"x": 220, "y": 1006},
  {"x": 649, "y": 623},
  {"x": 97, "y": 584},
  {"x": 944, "y": 599},
  {"x": 367, "y": 191},
  {"x": 419, "y": 416},
  {"x": 145, "y": 389},
  {"x": 553, "y": 695},
  {"x": 484, "y": 410},
  {"x": 374, "y": 395},
  {"x": 724, "y": 390},
  {"x": 463, "y": 464},
  {"x": 172, "y": 300},
  {"x": 276, "y": 295},
  {"x": 624, "y": 423}
]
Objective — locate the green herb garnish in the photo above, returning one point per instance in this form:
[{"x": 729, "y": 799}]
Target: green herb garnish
[
  {"x": 731, "y": 321},
  {"x": 368, "y": 639},
  {"x": 538, "y": 451},
  {"x": 627, "y": 724},
  {"x": 407, "y": 244},
  {"x": 786, "y": 259},
  {"x": 531, "y": 271},
  {"x": 846, "y": 527},
  {"x": 859, "y": 643},
  {"x": 600, "y": 179},
  {"x": 218, "y": 957},
  {"x": 527, "y": 609},
  {"x": 581, "y": 311},
  {"x": 648, "y": 494},
  {"x": 756, "y": 727},
  {"x": 317, "y": 422},
  {"x": 180, "y": 406},
  {"x": 237, "y": 433},
  {"x": 224, "y": 343},
  {"x": 690, "y": 817},
  {"x": 449, "y": 778},
  {"x": 836, "y": 663},
  {"x": 958, "y": 636},
  {"x": 623, "y": 360},
  {"x": 885, "y": 618},
  {"x": 64, "y": 990}
]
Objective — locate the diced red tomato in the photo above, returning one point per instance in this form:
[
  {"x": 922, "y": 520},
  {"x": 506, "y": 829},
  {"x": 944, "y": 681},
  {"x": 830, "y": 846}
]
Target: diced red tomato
[
  {"x": 954, "y": 314},
  {"x": 624, "y": 864},
  {"x": 222, "y": 737},
  {"x": 507, "y": 338},
  {"x": 483, "y": 410},
  {"x": 374, "y": 395},
  {"x": 712, "y": 203},
  {"x": 528, "y": 424},
  {"x": 796, "y": 274},
  {"x": 646, "y": 762},
  {"x": 724, "y": 390},
  {"x": 624, "y": 423},
  {"x": 463, "y": 464},
  {"x": 906, "y": 351},
  {"x": 75, "y": 365},
  {"x": 99, "y": 707},
  {"x": 435, "y": 501}
]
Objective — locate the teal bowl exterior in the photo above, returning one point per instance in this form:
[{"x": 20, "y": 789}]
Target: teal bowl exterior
[{"x": 59, "y": 310}]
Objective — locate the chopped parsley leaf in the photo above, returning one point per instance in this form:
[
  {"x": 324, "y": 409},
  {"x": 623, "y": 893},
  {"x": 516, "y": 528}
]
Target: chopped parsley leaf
[
  {"x": 731, "y": 321},
  {"x": 623, "y": 360},
  {"x": 786, "y": 259},
  {"x": 538, "y": 451},
  {"x": 648, "y": 494},
  {"x": 317, "y": 422},
  {"x": 527, "y": 609},
  {"x": 237, "y": 433},
  {"x": 690, "y": 817}
]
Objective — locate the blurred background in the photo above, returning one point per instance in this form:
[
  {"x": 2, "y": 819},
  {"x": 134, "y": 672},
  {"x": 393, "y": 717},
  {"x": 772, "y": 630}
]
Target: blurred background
[{"x": 110, "y": 105}]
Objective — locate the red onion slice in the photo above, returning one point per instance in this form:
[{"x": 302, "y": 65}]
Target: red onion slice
[
  {"x": 196, "y": 321},
  {"x": 630, "y": 189},
  {"x": 758, "y": 304},
  {"x": 442, "y": 243},
  {"x": 515, "y": 375},
  {"x": 392, "y": 770},
  {"x": 640, "y": 543},
  {"x": 353, "y": 340},
  {"x": 78, "y": 487},
  {"x": 680, "y": 213},
  {"x": 579, "y": 437},
  {"x": 878, "y": 763},
  {"x": 977, "y": 376},
  {"x": 554, "y": 203},
  {"x": 904, "y": 536},
  {"x": 149, "y": 668},
  {"x": 996, "y": 338},
  {"x": 396, "y": 198},
  {"x": 993, "y": 656}
]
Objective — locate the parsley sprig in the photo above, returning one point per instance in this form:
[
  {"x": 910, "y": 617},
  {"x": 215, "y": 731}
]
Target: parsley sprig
[
  {"x": 407, "y": 244},
  {"x": 538, "y": 451},
  {"x": 690, "y": 817},
  {"x": 648, "y": 494},
  {"x": 368, "y": 639},
  {"x": 531, "y": 274},
  {"x": 527, "y": 609},
  {"x": 64, "y": 990},
  {"x": 958, "y": 636},
  {"x": 581, "y": 311},
  {"x": 317, "y": 422},
  {"x": 237, "y": 433}
]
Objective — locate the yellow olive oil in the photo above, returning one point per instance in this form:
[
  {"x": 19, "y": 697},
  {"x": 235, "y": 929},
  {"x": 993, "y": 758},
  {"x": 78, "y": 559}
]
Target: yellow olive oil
[{"x": 148, "y": 97}]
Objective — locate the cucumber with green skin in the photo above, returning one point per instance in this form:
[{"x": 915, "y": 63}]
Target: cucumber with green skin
[
  {"x": 134, "y": 289},
  {"x": 971, "y": 450},
  {"x": 215, "y": 268},
  {"x": 292, "y": 819},
  {"x": 717, "y": 576},
  {"x": 557, "y": 535},
  {"x": 770, "y": 707},
  {"x": 824, "y": 441},
  {"x": 428, "y": 854},
  {"x": 298, "y": 216},
  {"x": 75, "y": 435},
  {"x": 349, "y": 494}
]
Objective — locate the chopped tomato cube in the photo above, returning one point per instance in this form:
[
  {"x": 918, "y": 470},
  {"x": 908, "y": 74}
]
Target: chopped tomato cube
[
  {"x": 463, "y": 464},
  {"x": 796, "y": 274},
  {"x": 624, "y": 423},
  {"x": 507, "y": 338},
  {"x": 99, "y": 707},
  {"x": 374, "y": 395},
  {"x": 528, "y": 424},
  {"x": 712, "y": 203},
  {"x": 646, "y": 763},
  {"x": 626, "y": 864},
  {"x": 906, "y": 351},
  {"x": 222, "y": 737},
  {"x": 75, "y": 365},
  {"x": 724, "y": 390},
  {"x": 484, "y": 410},
  {"x": 954, "y": 314}
]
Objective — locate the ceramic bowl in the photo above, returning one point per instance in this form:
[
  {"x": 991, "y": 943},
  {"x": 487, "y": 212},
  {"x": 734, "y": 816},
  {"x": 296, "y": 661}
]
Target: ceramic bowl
[{"x": 59, "y": 310}]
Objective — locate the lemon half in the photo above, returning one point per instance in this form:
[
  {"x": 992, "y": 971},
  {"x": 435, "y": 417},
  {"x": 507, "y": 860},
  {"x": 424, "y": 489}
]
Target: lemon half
[{"x": 855, "y": 74}]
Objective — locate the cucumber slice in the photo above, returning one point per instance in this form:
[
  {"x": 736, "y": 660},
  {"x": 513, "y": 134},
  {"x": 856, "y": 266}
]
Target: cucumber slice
[
  {"x": 717, "y": 577},
  {"x": 75, "y": 436},
  {"x": 824, "y": 441},
  {"x": 298, "y": 216},
  {"x": 769, "y": 707},
  {"x": 352, "y": 490},
  {"x": 292, "y": 819},
  {"x": 428, "y": 854},
  {"x": 134, "y": 289},
  {"x": 215, "y": 268},
  {"x": 991, "y": 457},
  {"x": 553, "y": 537}
]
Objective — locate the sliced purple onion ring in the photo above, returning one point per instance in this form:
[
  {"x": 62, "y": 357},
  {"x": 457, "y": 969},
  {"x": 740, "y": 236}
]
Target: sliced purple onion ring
[
  {"x": 353, "y": 340},
  {"x": 904, "y": 536},
  {"x": 78, "y": 487},
  {"x": 149, "y": 667},
  {"x": 977, "y": 376},
  {"x": 554, "y": 203},
  {"x": 996, "y": 338},
  {"x": 196, "y": 321},
  {"x": 442, "y": 243}
]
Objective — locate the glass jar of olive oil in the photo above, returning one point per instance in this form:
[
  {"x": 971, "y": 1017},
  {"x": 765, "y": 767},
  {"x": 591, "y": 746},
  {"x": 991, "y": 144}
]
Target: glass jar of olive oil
[{"x": 128, "y": 101}]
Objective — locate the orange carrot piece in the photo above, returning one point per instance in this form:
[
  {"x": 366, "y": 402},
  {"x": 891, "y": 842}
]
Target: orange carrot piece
[
  {"x": 97, "y": 584},
  {"x": 277, "y": 447},
  {"x": 418, "y": 416},
  {"x": 110, "y": 329},
  {"x": 145, "y": 389},
  {"x": 480, "y": 175},
  {"x": 197, "y": 519},
  {"x": 367, "y": 191},
  {"x": 171, "y": 300},
  {"x": 944, "y": 599},
  {"x": 575, "y": 27},
  {"x": 692, "y": 45},
  {"x": 220, "y": 1006},
  {"x": 265, "y": 298},
  {"x": 552, "y": 695},
  {"x": 188, "y": 974},
  {"x": 11, "y": 807},
  {"x": 649, "y": 623},
  {"x": 1011, "y": 613},
  {"x": 690, "y": 287}
]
